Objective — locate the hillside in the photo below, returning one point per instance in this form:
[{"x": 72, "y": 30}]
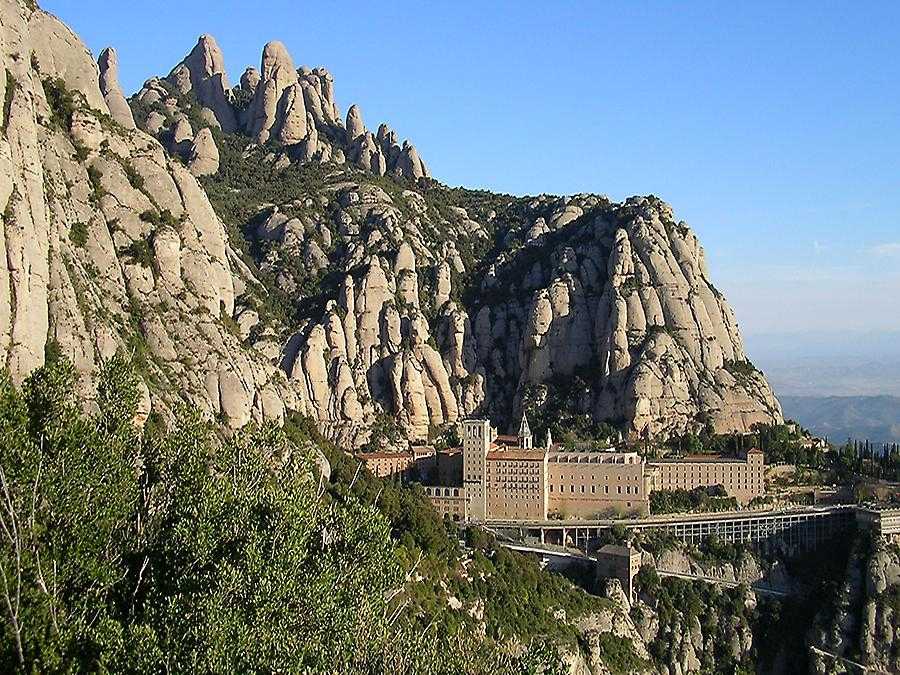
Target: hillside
[{"x": 872, "y": 418}]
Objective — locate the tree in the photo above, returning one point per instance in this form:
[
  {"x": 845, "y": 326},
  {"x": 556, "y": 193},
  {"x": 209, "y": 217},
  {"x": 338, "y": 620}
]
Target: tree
[{"x": 175, "y": 549}]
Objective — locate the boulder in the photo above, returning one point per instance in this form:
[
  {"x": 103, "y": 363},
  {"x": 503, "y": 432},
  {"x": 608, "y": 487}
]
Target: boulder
[{"x": 203, "y": 158}]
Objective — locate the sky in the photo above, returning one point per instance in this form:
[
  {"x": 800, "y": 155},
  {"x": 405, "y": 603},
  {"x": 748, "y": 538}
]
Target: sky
[{"x": 772, "y": 128}]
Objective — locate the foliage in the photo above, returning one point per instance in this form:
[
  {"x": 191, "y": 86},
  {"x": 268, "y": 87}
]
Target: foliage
[
  {"x": 520, "y": 600},
  {"x": 141, "y": 252},
  {"x": 159, "y": 219},
  {"x": 177, "y": 551},
  {"x": 705, "y": 498},
  {"x": 783, "y": 626},
  {"x": 678, "y": 602},
  {"x": 555, "y": 406},
  {"x": 96, "y": 180},
  {"x": 62, "y": 102},
  {"x": 78, "y": 234},
  {"x": 618, "y": 654},
  {"x": 134, "y": 178},
  {"x": 742, "y": 370},
  {"x": 8, "y": 93},
  {"x": 385, "y": 433}
]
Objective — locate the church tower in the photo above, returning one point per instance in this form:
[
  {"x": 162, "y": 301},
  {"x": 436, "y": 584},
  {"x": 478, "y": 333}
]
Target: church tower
[
  {"x": 525, "y": 439},
  {"x": 477, "y": 439}
]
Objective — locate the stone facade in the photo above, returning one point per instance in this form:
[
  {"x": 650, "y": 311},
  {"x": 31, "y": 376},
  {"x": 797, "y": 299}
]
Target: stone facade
[
  {"x": 449, "y": 501},
  {"x": 419, "y": 460},
  {"x": 619, "y": 562},
  {"x": 597, "y": 484},
  {"x": 507, "y": 478},
  {"x": 742, "y": 478}
]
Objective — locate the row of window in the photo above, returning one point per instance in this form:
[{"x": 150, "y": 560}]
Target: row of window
[
  {"x": 617, "y": 477},
  {"x": 628, "y": 489}
]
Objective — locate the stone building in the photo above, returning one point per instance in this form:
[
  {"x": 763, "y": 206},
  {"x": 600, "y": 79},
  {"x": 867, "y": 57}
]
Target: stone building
[
  {"x": 449, "y": 501},
  {"x": 619, "y": 562},
  {"x": 507, "y": 478},
  {"x": 498, "y": 477},
  {"x": 418, "y": 462},
  {"x": 594, "y": 484},
  {"x": 742, "y": 478}
]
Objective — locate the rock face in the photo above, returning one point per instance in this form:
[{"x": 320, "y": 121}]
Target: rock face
[
  {"x": 358, "y": 293},
  {"x": 203, "y": 158},
  {"x": 110, "y": 244},
  {"x": 202, "y": 72},
  {"x": 865, "y": 624},
  {"x": 109, "y": 87},
  {"x": 294, "y": 107}
]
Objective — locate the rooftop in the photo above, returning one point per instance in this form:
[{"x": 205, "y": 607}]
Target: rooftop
[
  {"x": 615, "y": 549},
  {"x": 724, "y": 459},
  {"x": 594, "y": 457},
  {"x": 517, "y": 454},
  {"x": 384, "y": 454}
]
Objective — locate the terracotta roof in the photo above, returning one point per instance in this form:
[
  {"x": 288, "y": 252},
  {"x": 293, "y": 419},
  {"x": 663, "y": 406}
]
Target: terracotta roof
[
  {"x": 517, "y": 454},
  {"x": 697, "y": 459},
  {"x": 383, "y": 455}
]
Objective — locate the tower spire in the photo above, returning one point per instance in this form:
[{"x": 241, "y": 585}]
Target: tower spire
[
  {"x": 524, "y": 433},
  {"x": 549, "y": 439}
]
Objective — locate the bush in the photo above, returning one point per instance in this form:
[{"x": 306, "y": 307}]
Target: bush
[
  {"x": 126, "y": 551},
  {"x": 704, "y": 499},
  {"x": 96, "y": 181},
  {"x": 78, "y": 234},
  {"x": 134, "y": 178},
  {"x": 141, "y": 252},
  {"x": 61, "y": 101},
  {"x": 11, "y": 84}
]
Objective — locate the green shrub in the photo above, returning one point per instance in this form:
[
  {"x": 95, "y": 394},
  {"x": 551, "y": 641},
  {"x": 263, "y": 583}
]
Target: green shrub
[
  {"x": 141, "y": 252},
  {"x": 159, "y": 219},
  {"x": 11, "y": 84},
  {"x": 134, "y": 178},
  {"x": 78, "y": 234},
  {"x": 62, "y": 102},
  {"x": 96, "y": 180}
]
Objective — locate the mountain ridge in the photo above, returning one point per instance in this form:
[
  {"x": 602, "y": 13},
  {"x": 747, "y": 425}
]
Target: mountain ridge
[{"x": 330, "y": 274}]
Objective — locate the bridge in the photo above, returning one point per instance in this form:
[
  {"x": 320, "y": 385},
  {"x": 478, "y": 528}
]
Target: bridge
[
  {"x": 557, "y": 557},
  {"x": 806, "y": 527},
  {"x": 759, "y": 587}
]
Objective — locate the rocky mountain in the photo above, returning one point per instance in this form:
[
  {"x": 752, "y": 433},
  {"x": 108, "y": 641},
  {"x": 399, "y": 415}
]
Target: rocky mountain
[{"x": 256, "y": 252}]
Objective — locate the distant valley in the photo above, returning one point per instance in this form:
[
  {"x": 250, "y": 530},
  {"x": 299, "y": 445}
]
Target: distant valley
[{"x": 876, "y": 418}]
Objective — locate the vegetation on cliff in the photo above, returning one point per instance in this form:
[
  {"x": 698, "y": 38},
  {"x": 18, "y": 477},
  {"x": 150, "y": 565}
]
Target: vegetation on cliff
[{"x": 182, "y": 548}]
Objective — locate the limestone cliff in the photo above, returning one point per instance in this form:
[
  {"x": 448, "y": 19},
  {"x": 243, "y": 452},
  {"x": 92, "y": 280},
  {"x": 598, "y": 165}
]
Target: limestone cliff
[
  {"x": 861, "y": 630},
  {"x": 316, "y": 266},
  {"x": 110, "y": 243}
]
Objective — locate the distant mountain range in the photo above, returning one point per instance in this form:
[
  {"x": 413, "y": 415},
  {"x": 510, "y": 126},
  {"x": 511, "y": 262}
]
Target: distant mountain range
[{"x": 876, "y": 418}]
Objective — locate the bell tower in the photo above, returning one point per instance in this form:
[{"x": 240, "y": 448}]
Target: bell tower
[
  {"x": 476, "y": 443},
  {"x": 525, "y": 438}
]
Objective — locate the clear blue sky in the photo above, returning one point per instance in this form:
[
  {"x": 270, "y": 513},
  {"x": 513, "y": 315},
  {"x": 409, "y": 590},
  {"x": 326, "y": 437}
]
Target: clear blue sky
[{"x": 772, "y": 128}]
